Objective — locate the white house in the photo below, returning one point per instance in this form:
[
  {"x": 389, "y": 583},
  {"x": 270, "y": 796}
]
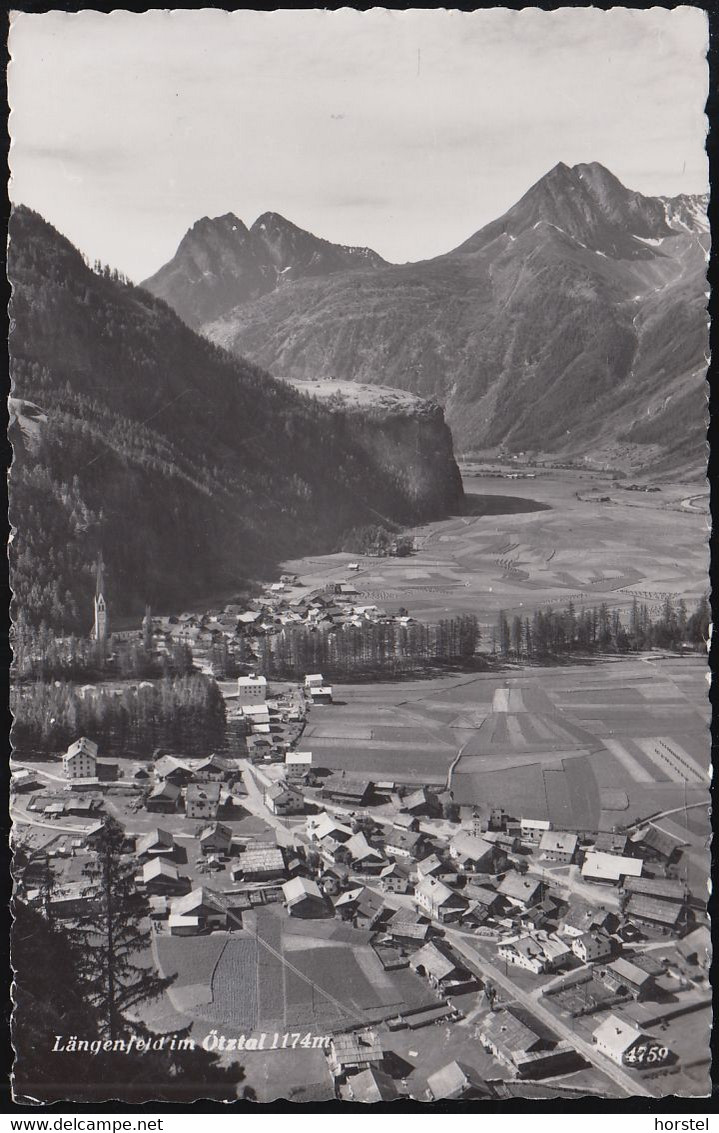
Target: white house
[
  {"x": 437, "y": 900},
  {"x": 532, "y": 829},
  {"x": 599, "y": 866},
  {"x": 591, "y": 946},
  {"x": 199, "y": 911},
  {"x": 314, "y": 680},
  {"x": 251, "y": 690},
  {"x": 80, "y": 759},
  {"x": 303, "y": 898},
  {"x": 298, "y": 764}
]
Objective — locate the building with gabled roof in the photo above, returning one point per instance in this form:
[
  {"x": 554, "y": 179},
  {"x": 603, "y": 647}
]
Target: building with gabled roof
[
  {"x": 215, "y": 838},
  {"x": 164, "y": 798},
  {"x": 457, "y": 1082},
  {"x": 437, "y": 963},
  {"x": 80, "y": 759},
  {"x": 363, "y": 855},
  {"x": 610, "y": 868},
  {"x": 281, "y": 798},
  {"x": 303, "y": 898},
  {"x": 476, "y": 853},
  {"x": 661, "y": 888},
  {"x": 696, "y": 947},
  {"x": 174, "y": 770},
  {"x": 260, "y": 864},
  {"x": 558, "y": 846},
  {"x": 618, "y": 1039},
  {"x": 202, "y": 800},
  {"x": 323, "y": 825},
  {"x": 591, "y": 947},
  {"x": 161, "y": 878},
  {"x": 520, "y": 889},
  {"x": 298, "y": 764},
  {"x": 662, "y": 916},
  {"x": 622, "y": 973},
  {"x": 372, "y": 1086},
  {"x": 656, "y": 844},
  {"x": 154, "y": 843},
  {"x": 438, "y": 901},
  {"x": 214, "y": 769},
  {"x": 251, "y": 690},
  {"x": 199, "y": 911},
  {"x": 611, "y": 842},
  {"x": 355, "y": 1052}
]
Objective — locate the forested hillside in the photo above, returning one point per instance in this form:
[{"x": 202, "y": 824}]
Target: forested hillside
[{"x": 190, "y": 469}]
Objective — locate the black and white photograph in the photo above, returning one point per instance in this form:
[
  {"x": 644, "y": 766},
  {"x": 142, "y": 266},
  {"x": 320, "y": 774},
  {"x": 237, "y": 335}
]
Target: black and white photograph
[{"x": 359, "y": 557}]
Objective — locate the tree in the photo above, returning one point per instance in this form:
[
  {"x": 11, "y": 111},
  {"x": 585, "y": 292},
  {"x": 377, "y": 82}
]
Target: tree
[
  {"x": 450, "y": 811},
  {"x": 112, "y": 935}
]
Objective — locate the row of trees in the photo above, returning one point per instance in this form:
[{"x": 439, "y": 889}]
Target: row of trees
[
  {"x": 368, "y": 649},
  {"x": 106, "y": 982},
  {"x": 38, "y": 654},
  {"x": 182, "y": 712},
  {"x": 598, "y": 629}
]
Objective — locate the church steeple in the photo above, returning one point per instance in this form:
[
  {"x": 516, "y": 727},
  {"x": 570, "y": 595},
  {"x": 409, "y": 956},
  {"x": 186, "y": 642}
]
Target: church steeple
[{"x": 100, "y": 629}]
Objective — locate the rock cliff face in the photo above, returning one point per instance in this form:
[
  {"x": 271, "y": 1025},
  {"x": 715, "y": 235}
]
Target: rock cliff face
[
  {"x": 574, "y": 325},
  {"x": 405, "y": 435}
]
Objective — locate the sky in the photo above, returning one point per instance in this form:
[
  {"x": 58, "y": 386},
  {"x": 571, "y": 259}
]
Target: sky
[{"x": 402, "y": 131}]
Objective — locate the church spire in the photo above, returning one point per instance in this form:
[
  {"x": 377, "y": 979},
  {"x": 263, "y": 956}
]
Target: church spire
[{"x": 100, "y": 629}]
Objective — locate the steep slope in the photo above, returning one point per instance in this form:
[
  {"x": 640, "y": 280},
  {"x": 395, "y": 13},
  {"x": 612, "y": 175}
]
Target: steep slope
[
  {"x": 567, "y": 326},
  {"x": 220, "y": 263},
  {"x": 189, "y": 468}
]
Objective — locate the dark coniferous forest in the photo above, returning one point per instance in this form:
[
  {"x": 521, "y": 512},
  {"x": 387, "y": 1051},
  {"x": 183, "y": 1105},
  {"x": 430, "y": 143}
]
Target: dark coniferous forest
[{"x": 189, "y": 469}]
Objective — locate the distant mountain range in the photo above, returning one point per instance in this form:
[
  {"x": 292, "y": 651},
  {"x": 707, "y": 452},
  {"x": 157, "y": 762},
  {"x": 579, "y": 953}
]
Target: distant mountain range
[
  {"x": 191, "y": 470},
  {"x": 221, "y": 263},
  {"x": 573, "y": 325}
]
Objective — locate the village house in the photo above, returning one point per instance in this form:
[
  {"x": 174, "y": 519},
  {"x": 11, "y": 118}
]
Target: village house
[
  {"x": 303, "y": 898},
  {"x": 696, "y": 947},
  {"x": 202, "y": 800},
  {"x": 623, "y": 975},
  {"x": 165, "y": 798},
  {"x": 298, "y": 765},
  {"x": 320, "y": 826},
  {"x": 408, "y": 928},
  {"x": 72, "y": 901},
  {"x": 371, "y": 1087},
  {"x": 532, "y": 829},
  {"x": 661, "y": 917},
  {"x": 406, "y": 822},
  {"x": 558, "y": 846},
  {"x": 591, "y": 947},
  {"x": 456, "y": 1082},
  {"x": 476, "y": 854},
  {"x": 609, "y": 868},
  {"x": 214, "y": 769},
  {"x": 535, "y": 952},
  {"x": 351, "y": 1053},
  {"x": 170, "y": 769},
  {"x": 198, "y": 912},
  {"x": 395, "y": 878},
  {"x": 344, "y": 789},
  {"x": 282, "y": 799},
  {"x": 321, "y": 694},
  {"x": 518, "y": 1047},
  {"x": 364, "y": 857},
  {"x": 335, "y": 853},
  {"x": 490, "y": 899},
  {"x": 251, "y": 690},
  {"x": 315, "y": 680},
  {"x": 438, "y": 901},
  {"x": 432, "y": 866},
  {"x": 661, "y": 888},
  {"x": 439, "y": 965},
  {"x": 422, "y": 803},
  {"x": 581, "y": 917},
  {"x": 361, "y": 906},
  {"x": 405, "y": 844},
  {"x": 521, "y": 890},
  {"x": 616, "y": 1038},
  {"x": 161, "y": 878},
  {"x": 257, "y": 717},
  {"x": 610, "y": 842},
  {"x": 80, "y": 760},
  {"x": 656, "y": 845},
  {"x": 155, "y": 843},
  {"x": 260, "y": 864},
  {"x": 216, "y": 838}
]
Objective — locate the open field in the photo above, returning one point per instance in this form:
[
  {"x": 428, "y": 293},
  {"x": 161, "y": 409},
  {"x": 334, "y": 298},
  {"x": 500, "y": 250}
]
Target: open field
[{"x": 607, "y": 546}]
